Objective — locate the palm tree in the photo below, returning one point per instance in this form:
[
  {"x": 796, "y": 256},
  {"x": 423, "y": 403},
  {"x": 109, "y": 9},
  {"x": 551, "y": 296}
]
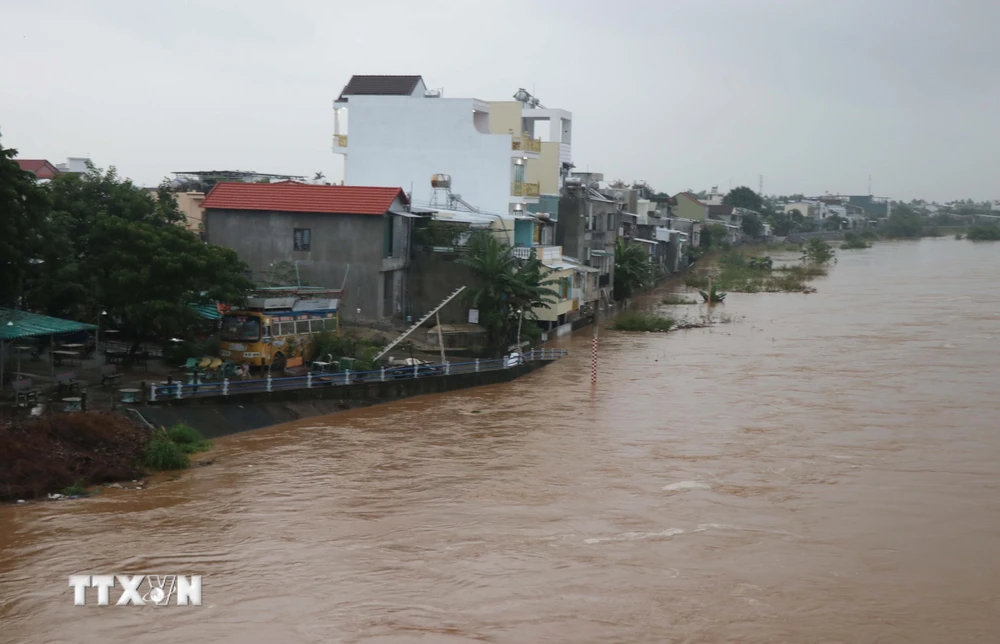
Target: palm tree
[
  {"x": 507, "y": 287},
  {"x": 632, "y": 268}
]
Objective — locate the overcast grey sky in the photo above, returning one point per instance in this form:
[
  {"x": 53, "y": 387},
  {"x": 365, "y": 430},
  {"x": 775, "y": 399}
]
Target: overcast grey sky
[{"x": 813, "y": 95}]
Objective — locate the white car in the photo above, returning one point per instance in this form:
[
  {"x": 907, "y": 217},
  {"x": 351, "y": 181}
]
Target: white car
[{"x": 514, "y": 359}]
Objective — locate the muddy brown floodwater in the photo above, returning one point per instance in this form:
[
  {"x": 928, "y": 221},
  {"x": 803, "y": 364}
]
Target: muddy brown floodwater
[{"x": 827, "y": 469}]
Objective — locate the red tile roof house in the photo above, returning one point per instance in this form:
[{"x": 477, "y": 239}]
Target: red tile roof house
[
  {"x": 323, "y": 230},
  {"x": 41, "y": 168}
]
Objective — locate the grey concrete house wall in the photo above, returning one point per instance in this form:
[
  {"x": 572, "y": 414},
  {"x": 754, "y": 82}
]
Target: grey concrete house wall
[
  {"x": 434, "y": 276},
  {"x": 376, "y": 277},
  {"x": 588, "y": 222}
]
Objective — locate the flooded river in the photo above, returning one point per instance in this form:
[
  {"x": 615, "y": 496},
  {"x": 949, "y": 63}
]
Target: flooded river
[{"x": 824, "y": 469}]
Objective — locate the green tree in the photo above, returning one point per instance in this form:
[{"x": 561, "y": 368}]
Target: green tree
[
  {"x": 131, "y": 258},
  {"x": 632, "y": 268},
  {"x": 753, "y": 226},
  {"x": 506, "y": 288},
  {"x": 834, "y": 222},
  {"x": 817, "y": 251},
  {"x": 23, "y": 222},
  {"x": 781, "y": 224},
  {"x": 903, "y": 222},
  {"x": 712, "y": 236},
  {"x": 744, "y": 197},
  {"x": 807, "y": 225}
]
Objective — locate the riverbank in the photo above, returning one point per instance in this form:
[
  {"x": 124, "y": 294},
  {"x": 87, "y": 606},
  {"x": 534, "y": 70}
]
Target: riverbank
[
  {"x": 66, "y": 453},
  {"x": 239, "y": 412}
]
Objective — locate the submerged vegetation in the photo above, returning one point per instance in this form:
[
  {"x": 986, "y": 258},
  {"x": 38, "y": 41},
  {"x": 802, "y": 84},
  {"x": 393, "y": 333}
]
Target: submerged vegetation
[
  {"x": 674, "y": 299},
  {"x": 713, "y": 295},
  {"x": 643, "y": 322},
  {"x": 169, "y": 449},
  {"x": 817, "y": 251},
  {"x": 984, "y": 232},
  {"x": 738, "y": 274},
  {"x": 852, "y": 241}
]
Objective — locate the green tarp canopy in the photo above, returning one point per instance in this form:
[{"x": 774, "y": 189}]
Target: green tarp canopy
[
  {"x": 15, "y": 325},
  {"x": 208, "y": 311}
]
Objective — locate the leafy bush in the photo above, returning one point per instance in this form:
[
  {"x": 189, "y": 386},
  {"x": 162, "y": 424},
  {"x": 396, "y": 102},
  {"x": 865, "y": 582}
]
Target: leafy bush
[
  {"x": 817, "y": 251},
  {"x": 674, "y": 299},
  {"x": 164, "y": 454},
  {"x": 713, "y": 296},
  {"x": 852, "y": 240},
  {"x": 188, "y": 439},
  {"x": 438, "y": 233},
  {"x": 643, "y": 322},
  {"x": 984, "y": 232},
  {"x": 76, "y": 489},
  {"x": 329, "y": 343}
]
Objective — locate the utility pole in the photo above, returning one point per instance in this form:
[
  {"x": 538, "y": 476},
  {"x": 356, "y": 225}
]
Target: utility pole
[
  {"x": 437, "y": 318},
  {"x": 593, "y": 361}
]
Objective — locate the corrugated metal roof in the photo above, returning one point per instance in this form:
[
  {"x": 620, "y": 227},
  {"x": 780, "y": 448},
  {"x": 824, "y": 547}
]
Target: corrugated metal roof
[
  {"x": 21, "y": 324},
  {"x": 208, "y": 311},
  {"x": 291, "y": 196},
  {"x": 380, "y": 85}
]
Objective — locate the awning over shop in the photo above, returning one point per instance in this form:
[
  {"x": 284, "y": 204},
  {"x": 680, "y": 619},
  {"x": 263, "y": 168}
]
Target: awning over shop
[
  {"x": 21, "y": 324},
  {"x": 208, "y": 311}
]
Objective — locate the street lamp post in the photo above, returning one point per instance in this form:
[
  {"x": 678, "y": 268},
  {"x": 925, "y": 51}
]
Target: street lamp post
[
  {"x": 520, "y": 313},
  {"x": 97, "y": 340}
]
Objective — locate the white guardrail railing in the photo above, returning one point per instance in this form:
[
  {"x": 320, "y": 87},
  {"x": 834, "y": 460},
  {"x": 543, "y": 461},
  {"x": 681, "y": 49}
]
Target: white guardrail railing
[{"x": 180, "y": 390}]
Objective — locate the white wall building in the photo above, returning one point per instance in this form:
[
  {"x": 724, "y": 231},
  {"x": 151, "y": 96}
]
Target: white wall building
[
  {"x": 714, "y": 197},
  {"x": 74, "y": 165},
  {"x": 393, "y": 131}
]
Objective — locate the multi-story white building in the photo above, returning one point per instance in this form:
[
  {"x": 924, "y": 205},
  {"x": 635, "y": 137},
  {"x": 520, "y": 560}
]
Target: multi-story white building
[
  {"x": 549, "y": 132},
  {"x": 393, "y": 131}
]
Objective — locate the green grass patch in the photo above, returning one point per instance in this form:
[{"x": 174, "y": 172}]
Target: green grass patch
[
  {"x": 674, "y": 299},
  {"x": 76, "y": 489},
  {"x": 164, "y": 454},
  {"x": 189, "y": 439},
  {"x": 643, "y": 322}
]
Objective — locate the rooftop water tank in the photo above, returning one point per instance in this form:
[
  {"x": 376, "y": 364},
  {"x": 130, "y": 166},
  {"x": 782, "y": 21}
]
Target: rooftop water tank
[{"x": 441, "y": 181}]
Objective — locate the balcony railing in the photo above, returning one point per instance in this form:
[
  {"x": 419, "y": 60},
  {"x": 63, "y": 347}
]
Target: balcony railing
[
  {"x": 340, "y": 140},
  {"x": 543, "y": 253},
  {"x": 523, "y": 189},
  {"x": 526, "y": 143}
]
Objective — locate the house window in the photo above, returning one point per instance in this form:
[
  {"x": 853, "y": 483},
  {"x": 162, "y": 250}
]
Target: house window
[
  {"x": 611, "y": 221},
  {"x": 387, "y": 250},
  {"x": 301, "y": 239}
]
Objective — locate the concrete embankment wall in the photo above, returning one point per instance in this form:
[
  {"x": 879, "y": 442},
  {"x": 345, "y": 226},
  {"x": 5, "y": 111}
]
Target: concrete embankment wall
[{"x": 215, "y": 416}]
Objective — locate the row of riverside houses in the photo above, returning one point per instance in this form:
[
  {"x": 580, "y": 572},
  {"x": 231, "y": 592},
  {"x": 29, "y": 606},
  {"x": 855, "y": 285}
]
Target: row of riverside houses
[{"x": 422, "y": 171}]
